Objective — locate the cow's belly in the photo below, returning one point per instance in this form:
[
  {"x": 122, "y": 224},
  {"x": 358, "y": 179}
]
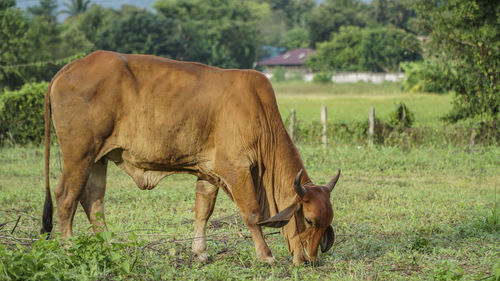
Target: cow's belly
[
  {"x": 145, "y": 179},
  {"x": 148, "y": 173},
  {"x": 152, "y": 147}
]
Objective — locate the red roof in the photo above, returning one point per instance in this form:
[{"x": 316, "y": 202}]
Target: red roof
[{"x": 295, "y": 57}]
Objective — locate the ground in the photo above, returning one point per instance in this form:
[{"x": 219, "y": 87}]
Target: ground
[{"x": 419, "y": 213}]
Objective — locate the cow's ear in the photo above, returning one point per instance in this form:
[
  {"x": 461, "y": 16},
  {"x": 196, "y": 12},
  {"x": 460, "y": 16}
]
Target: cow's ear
[
  {"x": 327, "y": 239},
  {"x": 281, "y": 218}
]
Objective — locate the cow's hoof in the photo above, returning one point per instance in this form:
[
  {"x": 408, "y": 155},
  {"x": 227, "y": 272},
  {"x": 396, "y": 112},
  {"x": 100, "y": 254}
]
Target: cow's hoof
[
  {"x": 270, "y": 259},
  {"x": 203, "y": 257}
]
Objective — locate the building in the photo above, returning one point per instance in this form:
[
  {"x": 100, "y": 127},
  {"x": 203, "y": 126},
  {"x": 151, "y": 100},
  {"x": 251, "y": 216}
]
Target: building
[{"x": 292, "y": 61}]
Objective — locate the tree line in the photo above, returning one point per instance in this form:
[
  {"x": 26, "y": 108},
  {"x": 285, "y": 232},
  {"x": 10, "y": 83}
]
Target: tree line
[
  {"x": 350, "y": 35},
  {"x": 222, "y": 33}
]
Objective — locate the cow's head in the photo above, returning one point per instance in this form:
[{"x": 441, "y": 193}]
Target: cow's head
[{"x": 312, "y": 215}]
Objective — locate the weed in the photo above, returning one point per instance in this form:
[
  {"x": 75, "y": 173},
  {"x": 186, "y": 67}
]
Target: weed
[
  {"x": 448, "y": 271},
  {"x": 420, "y": 243}
]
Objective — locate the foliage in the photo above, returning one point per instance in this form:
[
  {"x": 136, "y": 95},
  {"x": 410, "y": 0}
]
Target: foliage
[
  {"x": 428, "y": 76},
  {"x": 124, "y": 33},
  {"x": 401, "y": 117},
  {"x": 331, "y": 15},
  {"x": 14, "y": 34},
  {"x": 383, "y": 49},
  {"x": 88, "y": 257},
  {"x": 365, "y": 49},
  {"x": 295, "y": 38},
  {"x": 75, "y": 7},
  {"x": 278, "y": 74},
  {"x": 29, "y": 48},
  {"x": 342, "y": 52},
  {"x": 295, "y": 11},
  {"x": 394, "y": 13},
  {"x": 465, "y": 34},
  {"x": 21, "y": 114},
  {"x": 46, "y": 8},
  {"x": 80, "y": 33},
  {"x": 5, "y": 4},
  {"x": 448, "y": 271},
  {"x": 323, "y": 77},
  {"x": 216, "y": 32}
]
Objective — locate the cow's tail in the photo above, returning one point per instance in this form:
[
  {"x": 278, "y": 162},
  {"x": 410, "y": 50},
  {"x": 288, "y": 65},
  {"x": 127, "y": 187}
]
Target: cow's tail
[{"x": 48, "y": 208}]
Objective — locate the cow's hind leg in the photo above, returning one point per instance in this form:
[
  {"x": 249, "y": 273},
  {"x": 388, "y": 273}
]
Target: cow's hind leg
[
  {"x": 206, "y": 194},
  {"x": 69, "y": 189},
  {"x": 92, "y": 197}
]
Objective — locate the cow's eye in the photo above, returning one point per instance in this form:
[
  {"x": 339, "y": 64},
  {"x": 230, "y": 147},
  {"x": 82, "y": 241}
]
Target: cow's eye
[{"x": 308, "y": 222}]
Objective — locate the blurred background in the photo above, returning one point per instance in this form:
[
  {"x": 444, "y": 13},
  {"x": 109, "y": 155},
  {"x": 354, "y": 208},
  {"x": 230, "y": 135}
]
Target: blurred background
[{"x": 443, "y": 47}]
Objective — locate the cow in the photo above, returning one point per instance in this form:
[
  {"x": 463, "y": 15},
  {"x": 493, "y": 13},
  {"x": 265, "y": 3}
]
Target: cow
[{"x": 154, "y": 117}]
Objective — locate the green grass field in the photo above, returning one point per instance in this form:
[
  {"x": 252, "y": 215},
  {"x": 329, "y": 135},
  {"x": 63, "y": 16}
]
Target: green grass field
[
  {"x": 352, "y": 102},
  {"x": 425, "y": 213}
]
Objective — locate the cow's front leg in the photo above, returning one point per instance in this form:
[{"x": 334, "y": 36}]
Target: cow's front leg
[
  {"x": 244, "y": 196},
  {"x": 206, "y": 194}
]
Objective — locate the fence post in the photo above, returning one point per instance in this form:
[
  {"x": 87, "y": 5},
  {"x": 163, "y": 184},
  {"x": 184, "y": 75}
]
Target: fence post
[
  {"x": 371, "y": 129},
  {"x": 291, "y": 129},
  {"x": 472, "y": 139},
  {"x": 323, "y": 120}
]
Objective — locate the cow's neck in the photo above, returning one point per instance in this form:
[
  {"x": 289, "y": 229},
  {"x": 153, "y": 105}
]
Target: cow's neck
[{"x": 282, "y": 164}]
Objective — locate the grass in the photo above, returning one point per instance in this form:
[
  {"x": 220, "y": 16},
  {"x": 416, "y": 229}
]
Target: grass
[
  {"x": 352, "y": 102},
  {"x": 420, "y": 214}
]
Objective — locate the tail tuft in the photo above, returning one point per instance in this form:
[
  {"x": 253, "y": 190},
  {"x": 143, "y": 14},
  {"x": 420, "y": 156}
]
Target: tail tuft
[
  {"x": 47, "y": 216},
  {"x": 47, "y": 206}
]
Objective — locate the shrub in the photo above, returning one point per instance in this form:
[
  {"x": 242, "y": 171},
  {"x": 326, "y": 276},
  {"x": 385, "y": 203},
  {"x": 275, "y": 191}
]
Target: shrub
[
  {"x": 21, "y": 114},
  {"x": 323, "y": 77},
  {"x": 401, "y": 117},
  {"x": 278, "y": 74},
  {"x": 377, "y": 49},
  {"x": 90, "y": 257},
  {"x": 428, "y": 76}
]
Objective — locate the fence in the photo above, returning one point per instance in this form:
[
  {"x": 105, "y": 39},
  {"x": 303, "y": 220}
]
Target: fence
[
  {"x": 324, "y": 123},
  {"x": 377, "y": 131}
]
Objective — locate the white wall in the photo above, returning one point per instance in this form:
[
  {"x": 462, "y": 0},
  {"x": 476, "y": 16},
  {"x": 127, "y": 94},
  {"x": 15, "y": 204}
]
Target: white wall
[
  {"x": 353, "y": 77},
  {"x": 376, "y": 78}
]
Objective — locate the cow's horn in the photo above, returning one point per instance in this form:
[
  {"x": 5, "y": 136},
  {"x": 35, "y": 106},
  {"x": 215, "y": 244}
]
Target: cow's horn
[
  {"x": 333, "y": 181},
  {"x": 299, "y": 189}
]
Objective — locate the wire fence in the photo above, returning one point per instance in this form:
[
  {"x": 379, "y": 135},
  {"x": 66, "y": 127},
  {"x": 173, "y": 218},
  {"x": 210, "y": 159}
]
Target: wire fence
[{"x": 42, "y": 63}]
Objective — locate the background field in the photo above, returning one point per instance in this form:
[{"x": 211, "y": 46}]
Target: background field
[
  {"x": 420, "y": 213},
  {"x": 352, "y": 102}
]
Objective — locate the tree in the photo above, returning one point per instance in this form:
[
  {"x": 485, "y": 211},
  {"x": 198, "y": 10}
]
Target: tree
[
  {"x": 340, "y": 53},
  {"x": 295, "y": 38},
  {"x": 396, "y": 13},
  {"x": 15, "y": 40},
  {"x": 465, "y": 35},
  {"x": 25, "y": 43},
  {"x": 84, "y": 28},
  {"x": 217, "y": 32},
  {"x": 330, "y": 15},
  {"x": 383, "y": 49},
  {"x": 379, "y": 49},
  {"x": 75, "y": 7},
  {"x": 295, "y": 11},
  {"x": 46, "y": 8},
  {"x": 5, "y": 4},
  {"x": 45, "y": 22},
  {"x": 139, "y": 31}
]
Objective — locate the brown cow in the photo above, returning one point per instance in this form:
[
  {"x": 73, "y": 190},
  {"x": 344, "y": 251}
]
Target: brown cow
[{"x": 154, "y": 117}]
